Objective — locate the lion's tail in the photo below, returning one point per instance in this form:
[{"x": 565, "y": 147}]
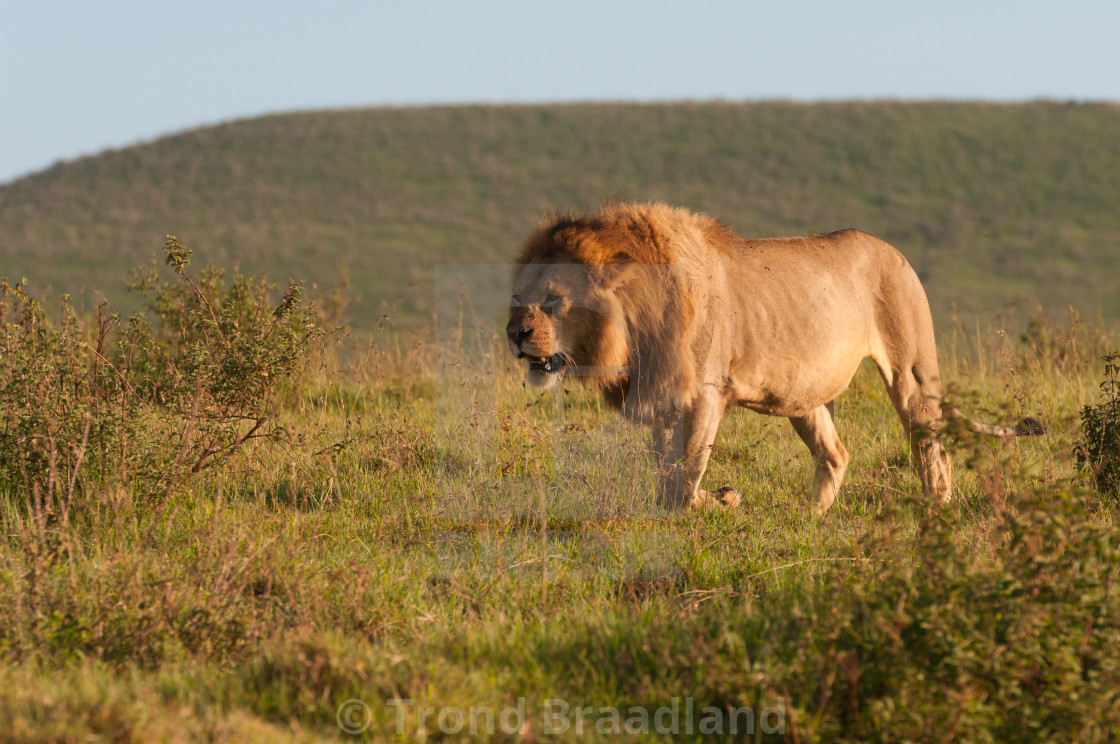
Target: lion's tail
[{"x": 1028, "y": 427}]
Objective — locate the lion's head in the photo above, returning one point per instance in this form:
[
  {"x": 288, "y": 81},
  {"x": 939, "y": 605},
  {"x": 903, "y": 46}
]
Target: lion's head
[
  {"x": 598, "y": 299},
  {"x": 564, "y": 319}
]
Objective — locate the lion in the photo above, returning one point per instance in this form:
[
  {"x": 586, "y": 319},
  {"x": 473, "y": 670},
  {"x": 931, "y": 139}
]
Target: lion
[{"x": 676, "y": 319}]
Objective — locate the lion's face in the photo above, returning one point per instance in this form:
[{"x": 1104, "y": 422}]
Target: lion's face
[{"x": 560, "y": 321}]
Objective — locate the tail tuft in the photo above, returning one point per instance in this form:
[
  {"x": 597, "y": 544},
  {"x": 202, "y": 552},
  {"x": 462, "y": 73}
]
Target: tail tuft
[{"x": 1028, "y": 427}]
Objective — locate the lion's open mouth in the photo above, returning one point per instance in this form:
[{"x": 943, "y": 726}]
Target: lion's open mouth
[{"x": 551, "y": 364}]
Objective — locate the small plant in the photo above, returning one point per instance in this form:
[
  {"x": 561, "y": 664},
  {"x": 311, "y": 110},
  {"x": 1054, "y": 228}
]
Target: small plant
[{"x": 1099, "y": 450}]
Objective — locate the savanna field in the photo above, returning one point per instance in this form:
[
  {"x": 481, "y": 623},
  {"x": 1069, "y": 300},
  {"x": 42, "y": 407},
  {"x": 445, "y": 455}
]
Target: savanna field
[{"x": 241, "y": 511}]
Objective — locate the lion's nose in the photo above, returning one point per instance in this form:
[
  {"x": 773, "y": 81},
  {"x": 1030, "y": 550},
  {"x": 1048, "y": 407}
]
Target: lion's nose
[{"x": 517, "y": 334}]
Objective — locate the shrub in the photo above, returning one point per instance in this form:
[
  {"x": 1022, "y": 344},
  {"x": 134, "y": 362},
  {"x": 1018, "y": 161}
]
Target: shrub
[
  {"x": 1015, "y": 646},
  {"x": 223, "y": 353},
  {"x": 1099, "y": 450},
  {"x": 86, "y": 401}
]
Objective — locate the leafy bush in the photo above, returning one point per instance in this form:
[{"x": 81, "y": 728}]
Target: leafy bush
[
  {"x": 1099, "y": 450},
  {"x": 88, "y": 401},
  {"x": 223, "y": 353},
  {"x": 1020, "y": 646}
]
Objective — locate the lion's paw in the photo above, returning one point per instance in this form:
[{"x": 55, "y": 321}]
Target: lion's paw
[
  {"x": 724, "y": 497},
  {"x": 729, "y": 497}
]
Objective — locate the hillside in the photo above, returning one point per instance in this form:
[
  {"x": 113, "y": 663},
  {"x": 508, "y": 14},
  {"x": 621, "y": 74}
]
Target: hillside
[{"x": 992, "y": 203}]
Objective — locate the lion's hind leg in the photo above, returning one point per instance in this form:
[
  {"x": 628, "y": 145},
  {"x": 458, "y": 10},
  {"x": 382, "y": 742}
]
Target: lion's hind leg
[
  {"x": 916, "y": 394},
  {"x": 818, "y": 431}
]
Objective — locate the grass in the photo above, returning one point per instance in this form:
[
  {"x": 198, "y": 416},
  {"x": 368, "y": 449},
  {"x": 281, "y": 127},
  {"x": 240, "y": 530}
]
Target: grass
[
  {"x": 394, "y": 547},
  {"x": 992, "y": 203},
  {"x": 413, "y": 524}
]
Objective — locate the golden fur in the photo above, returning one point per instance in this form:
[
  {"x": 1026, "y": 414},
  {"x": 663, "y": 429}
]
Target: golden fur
[{"x": 676, "y": 319}]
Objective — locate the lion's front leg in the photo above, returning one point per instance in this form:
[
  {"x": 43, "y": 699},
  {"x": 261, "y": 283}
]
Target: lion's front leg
[{"x": 683, "y": 447}]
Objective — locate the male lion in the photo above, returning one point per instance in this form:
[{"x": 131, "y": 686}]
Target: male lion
[{"x": 676, "y": 319}]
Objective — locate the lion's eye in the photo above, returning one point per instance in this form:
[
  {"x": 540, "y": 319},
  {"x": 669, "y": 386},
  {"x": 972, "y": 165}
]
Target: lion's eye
[
  {"x": 516, "y": 299},
  {"x": 553, "y": 300}
]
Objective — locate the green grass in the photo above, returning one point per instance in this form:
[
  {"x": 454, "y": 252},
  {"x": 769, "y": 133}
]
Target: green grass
[
  {"x": 395, "y": 548},
  {"x": 992, "y": 203}
]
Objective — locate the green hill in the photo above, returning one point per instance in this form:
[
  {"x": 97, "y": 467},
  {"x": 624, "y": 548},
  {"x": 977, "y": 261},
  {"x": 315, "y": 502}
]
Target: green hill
[{"x": 992, "y": 203}]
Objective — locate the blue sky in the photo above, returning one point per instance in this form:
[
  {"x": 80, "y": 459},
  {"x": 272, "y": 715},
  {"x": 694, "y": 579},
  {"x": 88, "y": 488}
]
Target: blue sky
[{"x": 79, "y": 77}]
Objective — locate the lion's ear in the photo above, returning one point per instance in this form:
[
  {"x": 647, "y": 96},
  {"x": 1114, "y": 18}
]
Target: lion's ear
[{"x": 612, "y": 271}]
